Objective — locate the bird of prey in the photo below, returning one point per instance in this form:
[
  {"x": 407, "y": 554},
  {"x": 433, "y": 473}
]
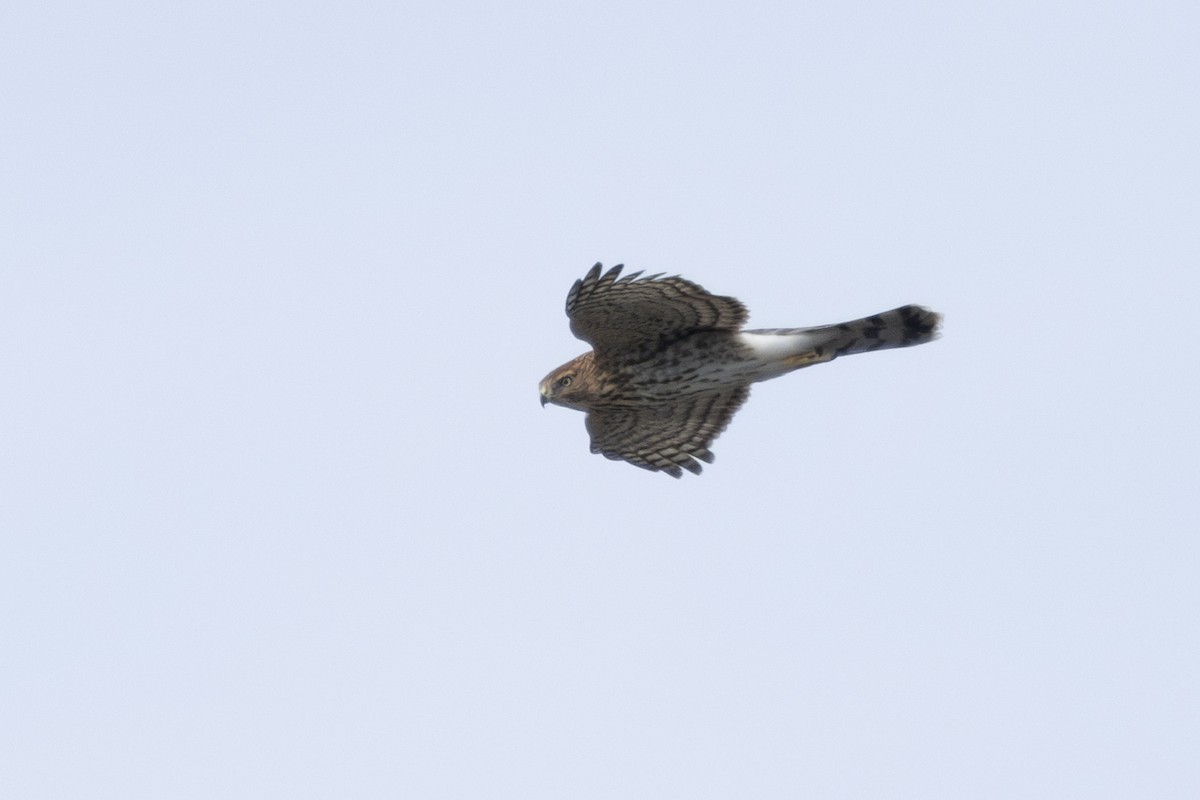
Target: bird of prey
[{"x": 671, "y": 364}]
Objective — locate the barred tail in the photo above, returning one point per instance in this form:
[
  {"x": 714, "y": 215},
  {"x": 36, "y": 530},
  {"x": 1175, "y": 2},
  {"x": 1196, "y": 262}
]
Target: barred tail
[
  {"x": 900, "y": 327},
  {"x": 786, "y": 349}
]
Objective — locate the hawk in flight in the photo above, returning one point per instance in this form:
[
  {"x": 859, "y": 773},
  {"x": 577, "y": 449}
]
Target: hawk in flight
[{"x": 671, "y": 364}]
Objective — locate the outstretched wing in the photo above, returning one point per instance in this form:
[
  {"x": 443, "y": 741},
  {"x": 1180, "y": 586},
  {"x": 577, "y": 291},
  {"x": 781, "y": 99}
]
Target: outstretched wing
[
  {"x": 671, "y": 436},
  {"x": 626, "y": 318}
]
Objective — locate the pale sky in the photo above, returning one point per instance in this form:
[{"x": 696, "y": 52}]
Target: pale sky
[{"x": 282, "y": 516}]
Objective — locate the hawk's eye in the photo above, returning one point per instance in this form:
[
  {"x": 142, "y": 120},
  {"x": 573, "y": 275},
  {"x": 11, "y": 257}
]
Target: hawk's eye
[{"x": 564, "y": 380}]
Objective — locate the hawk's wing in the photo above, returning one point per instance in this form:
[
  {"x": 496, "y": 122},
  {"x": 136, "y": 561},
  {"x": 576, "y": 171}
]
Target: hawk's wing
[
  {"x": 666, "y": 436},
  {"x": 626, "y": 317}
]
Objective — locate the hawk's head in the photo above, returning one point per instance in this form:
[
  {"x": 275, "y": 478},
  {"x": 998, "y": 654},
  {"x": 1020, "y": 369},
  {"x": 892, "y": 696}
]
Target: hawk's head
[{"x": 570, "y": 385}]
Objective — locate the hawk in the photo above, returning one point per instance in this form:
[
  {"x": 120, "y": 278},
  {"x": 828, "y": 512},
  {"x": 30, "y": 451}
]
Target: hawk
[{"x": 671, "y": 364}]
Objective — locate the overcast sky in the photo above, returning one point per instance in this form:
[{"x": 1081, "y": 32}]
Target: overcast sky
[{"x": 281, "y": 515}]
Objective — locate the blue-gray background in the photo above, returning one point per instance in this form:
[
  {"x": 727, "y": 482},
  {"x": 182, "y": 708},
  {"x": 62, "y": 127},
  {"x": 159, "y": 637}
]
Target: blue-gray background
[{"x": 282, "y": 517}]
